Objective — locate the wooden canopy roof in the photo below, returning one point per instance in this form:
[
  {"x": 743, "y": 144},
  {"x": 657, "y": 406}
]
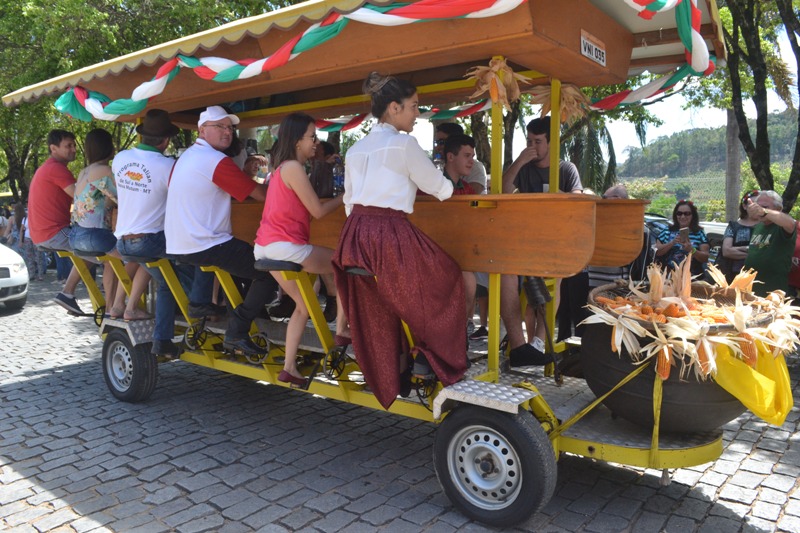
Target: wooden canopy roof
[{"x": 543, "y": 36}]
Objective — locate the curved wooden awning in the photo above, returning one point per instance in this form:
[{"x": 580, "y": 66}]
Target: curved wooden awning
[{"x": 541, "y": 36}]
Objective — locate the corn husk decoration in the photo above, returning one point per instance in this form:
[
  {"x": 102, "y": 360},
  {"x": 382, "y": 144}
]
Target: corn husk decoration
[
  {"x": 682, "y": 333},
  {"x": 574, "y": 104},
  {"x": 498, "y": 80}
]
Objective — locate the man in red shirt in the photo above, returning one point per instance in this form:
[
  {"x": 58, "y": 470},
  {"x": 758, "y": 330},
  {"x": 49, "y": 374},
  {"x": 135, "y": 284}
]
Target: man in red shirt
[{"x": 49, "y": 202}]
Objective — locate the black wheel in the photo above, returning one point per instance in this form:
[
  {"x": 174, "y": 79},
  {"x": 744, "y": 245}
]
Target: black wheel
[
  {"x": 130, "y": 371},
  {"x": 195, "y": 336},
  {"x": 334, "y": 362},
  {"x": 260, "y": 340},
  {"x": 497, "y": 468},
  {"x": 13, "y": 305},
  {"x": 99, "y": 313}
]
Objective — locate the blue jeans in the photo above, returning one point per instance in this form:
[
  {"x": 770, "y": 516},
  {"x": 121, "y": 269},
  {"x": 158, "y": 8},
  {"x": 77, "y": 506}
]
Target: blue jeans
[
  {"x": 197, "y": 283},
  {"x": 91, "y": 239}
]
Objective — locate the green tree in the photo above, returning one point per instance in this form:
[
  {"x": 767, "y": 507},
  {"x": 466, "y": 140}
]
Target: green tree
[
  {"x": 41, "y": 39},
  {"x": 751, "y": 29}
]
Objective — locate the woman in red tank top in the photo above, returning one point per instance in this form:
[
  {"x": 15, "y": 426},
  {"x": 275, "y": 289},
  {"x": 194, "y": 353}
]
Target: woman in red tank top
[{"x": 284, "y": 231}]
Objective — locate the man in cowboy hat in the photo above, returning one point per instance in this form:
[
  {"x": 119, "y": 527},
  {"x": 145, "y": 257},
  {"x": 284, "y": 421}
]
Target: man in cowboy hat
[{"x": 142, "y": 175}]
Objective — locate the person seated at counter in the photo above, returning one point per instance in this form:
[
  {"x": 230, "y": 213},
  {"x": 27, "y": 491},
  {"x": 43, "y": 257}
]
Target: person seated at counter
[
  {"x": 530, "y": 173},
  {"x": 459, "y": 155},
  {"x": 414, "y": 279},
  {"x": 285, "y": 232},
  {"x": 256, "y": 166},
  {"x": 477, "y": 173},
  {"x": 198, "y": 227}
]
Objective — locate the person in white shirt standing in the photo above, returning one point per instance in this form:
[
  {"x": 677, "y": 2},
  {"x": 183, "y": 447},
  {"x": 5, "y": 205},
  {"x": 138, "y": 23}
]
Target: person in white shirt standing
[{"x": 414, "y": 279}]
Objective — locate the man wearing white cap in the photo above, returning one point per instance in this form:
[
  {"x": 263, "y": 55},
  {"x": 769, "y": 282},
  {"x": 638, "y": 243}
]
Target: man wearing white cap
[{"x": 198, "y": 220}]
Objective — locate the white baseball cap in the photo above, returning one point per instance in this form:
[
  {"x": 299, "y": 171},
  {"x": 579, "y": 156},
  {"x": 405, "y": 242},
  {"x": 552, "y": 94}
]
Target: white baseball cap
[{"x": 216, "y": 112}]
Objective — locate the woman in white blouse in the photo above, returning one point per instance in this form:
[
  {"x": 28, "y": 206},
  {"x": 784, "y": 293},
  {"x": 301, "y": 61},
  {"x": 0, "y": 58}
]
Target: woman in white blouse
[{"x": 414, "y": 279}]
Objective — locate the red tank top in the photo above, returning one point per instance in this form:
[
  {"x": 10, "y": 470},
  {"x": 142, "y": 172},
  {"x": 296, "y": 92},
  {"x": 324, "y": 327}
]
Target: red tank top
[{"x": 285, "y": 218}]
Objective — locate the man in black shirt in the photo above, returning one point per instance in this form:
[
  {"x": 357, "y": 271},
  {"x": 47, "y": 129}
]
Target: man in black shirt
[{"x": 530, "y": 173}]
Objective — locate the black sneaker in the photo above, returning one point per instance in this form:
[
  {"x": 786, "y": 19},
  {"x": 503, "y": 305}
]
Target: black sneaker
[
  {"x": 422, "y": 368},
  {"x": 284, "y": 309},
  {"x": 527, "y": 355},
  {"x": 69, "y": 303},
  {"x": 167, "y": 349},
  {"x": 206, "y": 310},
  {"x": 330, "y": 309},
  {"x": 479, "y": 334},
  {"x": 243, "y": 346}
]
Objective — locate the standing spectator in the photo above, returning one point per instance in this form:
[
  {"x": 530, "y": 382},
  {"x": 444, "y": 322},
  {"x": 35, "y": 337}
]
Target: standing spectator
[
  {"x": 49, "y": 202},
  {"x": 382, "y": 176},
  {"x": 683, "y": 238},
  {"x": 736, "y": 241},
  {"x": 35, "y": 259},
  {"x": 14, "y": 228},
  {"x": 771, "y": 244}
]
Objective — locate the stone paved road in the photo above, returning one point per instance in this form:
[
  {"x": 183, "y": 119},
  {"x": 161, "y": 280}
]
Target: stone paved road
[{"x": 212, "y": 452}]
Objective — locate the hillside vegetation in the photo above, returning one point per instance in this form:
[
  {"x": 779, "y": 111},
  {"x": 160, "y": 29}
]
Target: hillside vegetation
[{"x": 701, "y": 151}]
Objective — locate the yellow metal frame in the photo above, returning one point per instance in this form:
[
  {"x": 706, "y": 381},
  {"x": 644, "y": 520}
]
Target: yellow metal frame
[{"x": 357, "y": 393}]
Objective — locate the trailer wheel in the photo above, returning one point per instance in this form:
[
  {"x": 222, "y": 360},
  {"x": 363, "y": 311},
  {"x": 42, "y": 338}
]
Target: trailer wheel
[
  {"x": 497, "y": 468},
  {"x": 130, "y": 371}
]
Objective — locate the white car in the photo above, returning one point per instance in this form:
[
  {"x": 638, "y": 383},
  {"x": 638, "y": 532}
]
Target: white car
[{"x": 13, "y": 278}]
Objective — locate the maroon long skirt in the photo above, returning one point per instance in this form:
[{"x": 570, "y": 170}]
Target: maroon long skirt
[{"x": 415, "y": 281}]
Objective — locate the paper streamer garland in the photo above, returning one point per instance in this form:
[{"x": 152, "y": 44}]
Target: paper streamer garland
[
  {"x": 89, "y": 104},
  {"x": 350, "y": 122},
  {"x": 85, "y": 105}
]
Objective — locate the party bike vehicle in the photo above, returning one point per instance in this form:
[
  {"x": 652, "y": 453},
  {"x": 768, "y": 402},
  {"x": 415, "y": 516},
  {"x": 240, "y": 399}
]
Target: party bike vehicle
[{"x": 500, "y": 431}]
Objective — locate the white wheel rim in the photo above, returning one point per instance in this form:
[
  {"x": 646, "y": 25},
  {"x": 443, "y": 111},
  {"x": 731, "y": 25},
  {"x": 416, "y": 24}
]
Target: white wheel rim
[
  {"x": 484, "y": 467},
  {"x": 120, "y": 366}
]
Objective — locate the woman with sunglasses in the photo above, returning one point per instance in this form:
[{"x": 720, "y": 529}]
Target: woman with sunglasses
[
  {"x": 736, "y": 240},
  {"x": 682, "y": 238}
]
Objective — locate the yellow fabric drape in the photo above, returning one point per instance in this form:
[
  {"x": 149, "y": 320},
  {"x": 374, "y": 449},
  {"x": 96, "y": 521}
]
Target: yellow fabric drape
[{"x": 765, "y": 390}]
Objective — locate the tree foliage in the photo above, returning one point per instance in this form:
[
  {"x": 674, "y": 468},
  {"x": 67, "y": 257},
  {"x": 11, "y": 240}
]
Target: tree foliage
[
  {"x": 696, "y": 151},
  {"x": 41, "y": 39}
]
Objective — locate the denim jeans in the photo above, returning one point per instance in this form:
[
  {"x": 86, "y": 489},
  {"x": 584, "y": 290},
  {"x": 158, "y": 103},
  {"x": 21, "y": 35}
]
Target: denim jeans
[
  {"x": 195, "y": 282},
  {"x": 91, "y": 239},
  {"x": 236, "y": 257}
]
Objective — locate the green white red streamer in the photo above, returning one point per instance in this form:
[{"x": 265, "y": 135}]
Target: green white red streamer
[
  {"x": 84, "y": 105},
  {"x": 698, "y": 62},
  {"x": 353, "y": 121}
]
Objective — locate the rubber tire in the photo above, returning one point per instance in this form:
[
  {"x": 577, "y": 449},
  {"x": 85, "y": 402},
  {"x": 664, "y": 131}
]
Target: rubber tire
[
  {"x": 525, "y": 438},
  {"x": 14, "y": 305},
  {"x": 131, "y": 372}
]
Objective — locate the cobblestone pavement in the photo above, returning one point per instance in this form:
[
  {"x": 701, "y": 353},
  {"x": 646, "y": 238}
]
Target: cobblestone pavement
[{"x": 213, "y": 452}]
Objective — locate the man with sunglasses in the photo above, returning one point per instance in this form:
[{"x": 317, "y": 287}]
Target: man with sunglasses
[
  {"x": 771, "y": 244},
  {"x": 198, "y": 220}
]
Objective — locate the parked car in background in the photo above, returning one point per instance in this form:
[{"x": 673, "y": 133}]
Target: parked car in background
[{"x": 13, "y": 279}]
